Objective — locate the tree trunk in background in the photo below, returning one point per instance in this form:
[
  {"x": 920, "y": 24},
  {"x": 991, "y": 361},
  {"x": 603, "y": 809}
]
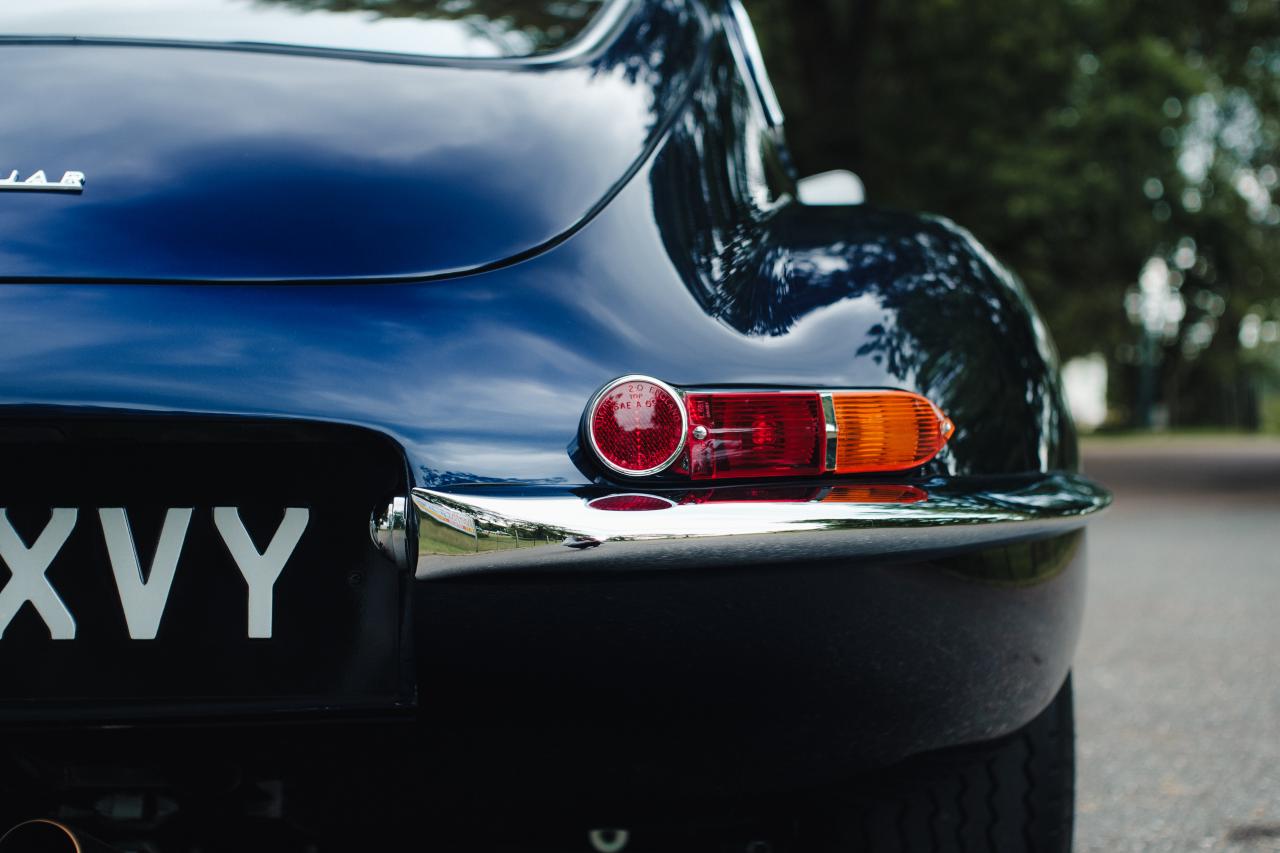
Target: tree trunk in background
[{"x": 840, "y": 33}]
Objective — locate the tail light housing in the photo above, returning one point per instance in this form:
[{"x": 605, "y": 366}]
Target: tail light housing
[{"x": 638, "y": 426}]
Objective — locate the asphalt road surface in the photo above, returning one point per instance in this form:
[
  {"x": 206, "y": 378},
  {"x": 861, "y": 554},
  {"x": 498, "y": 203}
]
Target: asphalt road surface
[{"x": 1178, "y": 673}]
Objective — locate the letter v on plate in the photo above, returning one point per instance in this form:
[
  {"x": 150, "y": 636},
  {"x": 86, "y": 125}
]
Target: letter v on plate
[{"x": 143, "y": 598}]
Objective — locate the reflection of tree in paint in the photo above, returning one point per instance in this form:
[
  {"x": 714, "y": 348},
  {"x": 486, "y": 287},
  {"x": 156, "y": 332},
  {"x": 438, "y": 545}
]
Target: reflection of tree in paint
[
  {"x": 657, "y": 49},
  {"x": 929, "y": 308},
  {"x": 517, "y": 27}
]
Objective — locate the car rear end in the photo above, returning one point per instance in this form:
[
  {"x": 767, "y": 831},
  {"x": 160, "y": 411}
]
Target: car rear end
[{"x": 311, "y": 534}]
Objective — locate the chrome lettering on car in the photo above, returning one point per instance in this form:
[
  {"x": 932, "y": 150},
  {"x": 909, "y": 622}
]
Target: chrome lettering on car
[
  {"x": 72, "y": 182},
  {"x": 27, "y": 567},
  {"x": 143, "y": 599}
]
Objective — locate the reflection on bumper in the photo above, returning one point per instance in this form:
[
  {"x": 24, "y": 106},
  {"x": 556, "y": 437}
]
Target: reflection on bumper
[{"x": 470, "y": 529}]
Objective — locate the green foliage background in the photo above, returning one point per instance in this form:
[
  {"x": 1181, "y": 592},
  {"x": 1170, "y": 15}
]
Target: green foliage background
[{"x": 1079, "y": 139}]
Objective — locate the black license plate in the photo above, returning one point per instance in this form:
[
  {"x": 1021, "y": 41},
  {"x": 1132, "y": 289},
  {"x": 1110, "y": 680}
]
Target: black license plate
[{"x": 183, "y": 607}]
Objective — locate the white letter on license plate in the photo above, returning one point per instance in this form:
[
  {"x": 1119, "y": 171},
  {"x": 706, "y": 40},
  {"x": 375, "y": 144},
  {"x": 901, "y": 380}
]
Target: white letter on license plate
[
  {"x": 28, "y": 566},
  {"x": 143, "y": 599},
  {"x": 260, "y": 570}
]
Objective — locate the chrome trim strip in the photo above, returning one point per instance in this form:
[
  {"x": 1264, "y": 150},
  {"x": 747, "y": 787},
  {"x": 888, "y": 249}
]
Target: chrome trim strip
[
  {"x": 623, "y": 380},
  {"x": 477, "y": 529},
  {"x": 833, "y": 430}
]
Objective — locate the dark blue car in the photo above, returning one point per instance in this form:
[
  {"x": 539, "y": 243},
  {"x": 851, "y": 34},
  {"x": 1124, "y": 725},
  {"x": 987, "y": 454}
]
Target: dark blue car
[{"x": 454, "y": 421}]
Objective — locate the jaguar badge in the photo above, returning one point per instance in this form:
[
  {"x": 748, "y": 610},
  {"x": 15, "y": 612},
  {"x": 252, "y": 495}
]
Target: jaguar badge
[{"x": 72, "y": 182}]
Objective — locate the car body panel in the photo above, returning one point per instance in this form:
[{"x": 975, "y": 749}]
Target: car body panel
[
  {"x": 615, "y": 692},
  {"x": 210, "y": 163},
  {"x": 485, "y": 380},
  {"x": 411, "y": 29},
  {"x": 770, "y": 677}
]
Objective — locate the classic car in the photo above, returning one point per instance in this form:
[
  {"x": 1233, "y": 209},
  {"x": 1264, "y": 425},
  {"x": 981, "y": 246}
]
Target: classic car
[{"x": 458, "y": 421}]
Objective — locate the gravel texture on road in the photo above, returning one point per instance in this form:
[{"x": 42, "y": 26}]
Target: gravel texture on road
[{"x": 1178, "y": 673}]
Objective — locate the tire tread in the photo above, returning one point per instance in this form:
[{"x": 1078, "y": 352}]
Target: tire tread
[{"x": 1014, "y": 795}]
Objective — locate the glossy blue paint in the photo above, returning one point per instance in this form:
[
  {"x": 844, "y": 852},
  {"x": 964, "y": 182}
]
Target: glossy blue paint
[
  {"x": 222, "y": 164},
  {"x": 486, "y": 380},
  {"x": 441, "y": 29},
  {"x": 701, "y": 270}
]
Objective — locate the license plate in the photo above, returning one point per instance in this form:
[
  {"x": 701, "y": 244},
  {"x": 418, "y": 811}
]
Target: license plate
[{"x": 191, "y": 609}]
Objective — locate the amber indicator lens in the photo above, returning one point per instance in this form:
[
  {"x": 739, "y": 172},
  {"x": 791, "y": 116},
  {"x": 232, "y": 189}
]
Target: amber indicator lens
[
  {"x": 637, "y": 426},
  {"x": 886, "y": 431},
  {"x": 759, "y": 434}
]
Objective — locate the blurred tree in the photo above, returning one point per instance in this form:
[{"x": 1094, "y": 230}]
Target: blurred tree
[{"x": 1079, "y": 139}]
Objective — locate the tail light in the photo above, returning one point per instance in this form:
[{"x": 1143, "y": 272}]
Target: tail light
[{"x": 638, "y": 426}]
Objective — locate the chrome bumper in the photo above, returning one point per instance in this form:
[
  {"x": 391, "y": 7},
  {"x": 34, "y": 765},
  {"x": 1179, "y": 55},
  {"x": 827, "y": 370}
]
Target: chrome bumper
[{"x": 488, "y": 528}]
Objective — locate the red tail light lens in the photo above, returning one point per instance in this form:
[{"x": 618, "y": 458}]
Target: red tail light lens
[
  {"x": 637, "y": 425},
  {"x": 766, "y": 434}
]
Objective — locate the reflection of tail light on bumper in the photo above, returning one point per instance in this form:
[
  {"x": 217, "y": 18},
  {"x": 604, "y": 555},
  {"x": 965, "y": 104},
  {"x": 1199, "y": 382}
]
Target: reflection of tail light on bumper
[
  {"x": 753, "y": 494},
  {"x": 493, "y": 527},
  {"x": 874, "y": 493},
  {"x": 638, "y": 426},
  {"x": 869, "y": 493},
  {"x": 631, "y": 503}
]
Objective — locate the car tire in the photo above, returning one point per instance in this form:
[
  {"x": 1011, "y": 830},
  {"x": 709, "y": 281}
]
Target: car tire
[{"x": 1013, "y": 794}]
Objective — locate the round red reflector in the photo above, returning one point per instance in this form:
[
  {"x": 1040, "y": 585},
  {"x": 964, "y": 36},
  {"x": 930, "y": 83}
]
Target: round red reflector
[{"x": 637, "y": 425}]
